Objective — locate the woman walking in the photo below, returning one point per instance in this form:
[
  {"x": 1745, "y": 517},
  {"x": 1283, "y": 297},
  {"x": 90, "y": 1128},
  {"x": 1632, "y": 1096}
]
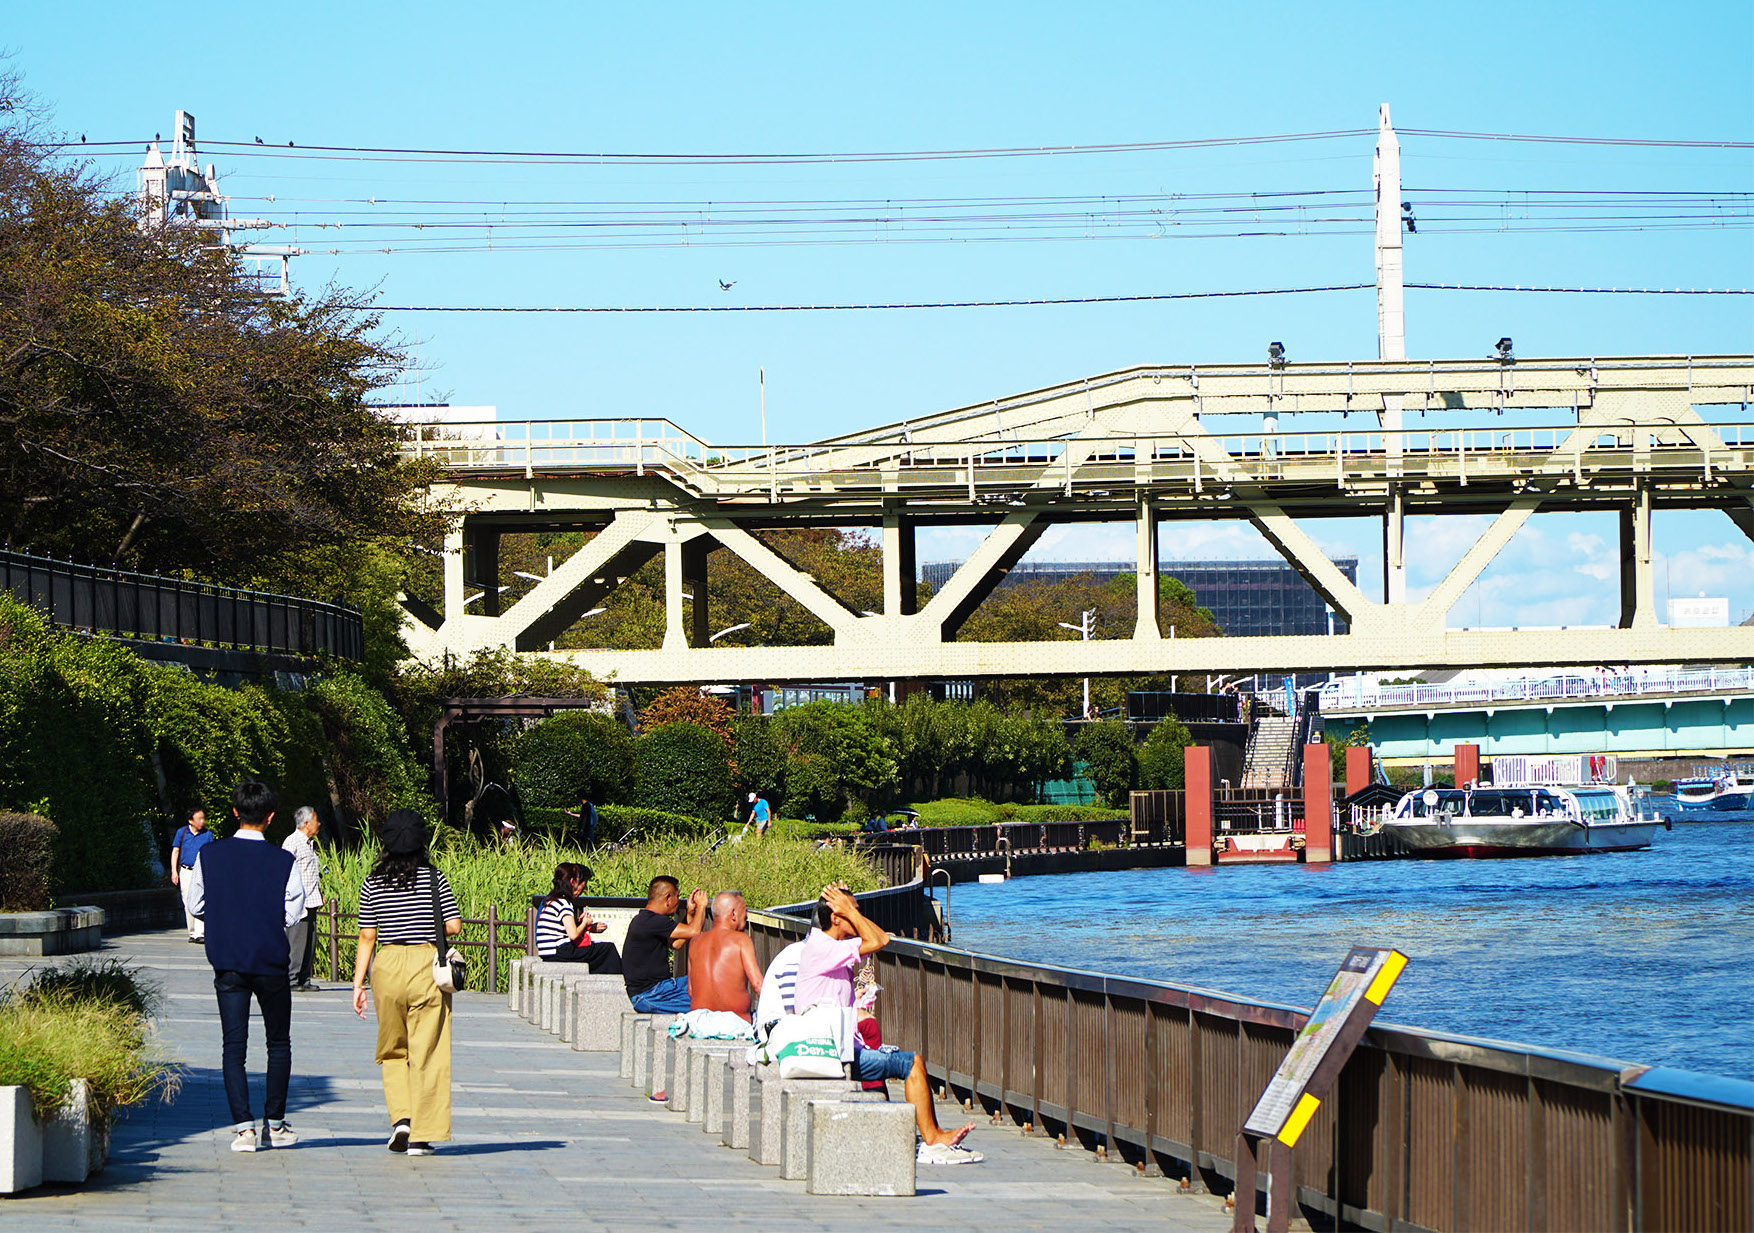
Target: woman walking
[
  {"x": 400, "y": 906},
  {"x": 563, "y": 928}
]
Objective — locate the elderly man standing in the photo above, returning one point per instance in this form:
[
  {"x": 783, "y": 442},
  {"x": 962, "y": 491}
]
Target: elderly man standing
[
  {"x": 722, "y": 970},
  {"x": 301, "y": 939},
  {"x": 190, "y": 838}
]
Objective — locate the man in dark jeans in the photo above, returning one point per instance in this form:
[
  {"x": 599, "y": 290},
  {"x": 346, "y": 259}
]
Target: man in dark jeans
[
  {"x": 651, "y": 936},
  {"x": 248, "y": 892}
]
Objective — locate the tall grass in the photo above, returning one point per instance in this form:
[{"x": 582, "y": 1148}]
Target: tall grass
[
  {"x": 83, "y": 1021},
  {"x": 768, "y": 872},
  {"x": 978, "y": 811}
]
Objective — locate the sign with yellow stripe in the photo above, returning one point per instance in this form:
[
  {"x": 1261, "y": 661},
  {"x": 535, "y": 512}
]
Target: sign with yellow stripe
[{"x": 1334, "y": 1027}]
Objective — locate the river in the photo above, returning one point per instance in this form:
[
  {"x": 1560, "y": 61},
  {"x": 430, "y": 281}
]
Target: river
[{"x": 1644, "y": 957}]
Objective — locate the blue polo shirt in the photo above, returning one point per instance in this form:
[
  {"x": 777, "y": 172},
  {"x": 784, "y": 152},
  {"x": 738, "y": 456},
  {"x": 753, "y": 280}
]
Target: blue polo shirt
[{"x": 189, "y": 843}]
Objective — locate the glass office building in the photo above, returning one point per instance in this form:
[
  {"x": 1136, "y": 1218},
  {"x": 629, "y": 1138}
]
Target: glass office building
[{"x": 1247, "y": 598}]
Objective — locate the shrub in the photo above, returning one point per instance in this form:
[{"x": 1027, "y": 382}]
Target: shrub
[
  {"x": 27, "y": 862},
  {"x": 1062, "y": 813},
  {"x": 373, "y": 768},
  {"x": 103, "y": 982},
  {"x": 575, "y": 752},
  {"x": 688, "y": 704},
  {"x": 760, "y": 759},
  {"x": 683, "y": 768},
  {"x": 970, "y": 811},
  {"x": 618, "y": 822},
  {"x": 835, "y": 753},
  {"x": 1163, "y": 756},
  {"x": 1107, "y": 747}
]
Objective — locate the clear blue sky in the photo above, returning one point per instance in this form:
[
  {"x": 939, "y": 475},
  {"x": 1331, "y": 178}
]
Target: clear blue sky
[{"x": 700, "y": 78}]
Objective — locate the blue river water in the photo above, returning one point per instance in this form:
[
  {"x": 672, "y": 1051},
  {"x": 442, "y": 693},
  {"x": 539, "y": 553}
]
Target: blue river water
[{"x": 1643, "y": 957}]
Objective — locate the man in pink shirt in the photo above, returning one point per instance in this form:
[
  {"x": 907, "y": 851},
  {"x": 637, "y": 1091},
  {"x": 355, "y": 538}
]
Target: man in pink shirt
[{"x": 843, "y": 935}]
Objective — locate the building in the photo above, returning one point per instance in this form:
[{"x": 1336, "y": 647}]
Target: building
[{"x": 1247, "y": 598}]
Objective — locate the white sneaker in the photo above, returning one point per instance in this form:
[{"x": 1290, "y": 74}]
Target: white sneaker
[
  {"x": 947, "y": 1154},
  {"x": 280, "y": 1134},
  {"x": 421, "y": 1149},
  {"x": 244, "y": 1140}
]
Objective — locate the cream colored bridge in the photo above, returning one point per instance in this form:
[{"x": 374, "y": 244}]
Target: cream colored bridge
[{"x": 1153, "y": 446}]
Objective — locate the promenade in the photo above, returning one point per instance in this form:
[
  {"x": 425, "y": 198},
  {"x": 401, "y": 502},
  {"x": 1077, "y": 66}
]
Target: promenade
[{"x": 544, "y": 1138}]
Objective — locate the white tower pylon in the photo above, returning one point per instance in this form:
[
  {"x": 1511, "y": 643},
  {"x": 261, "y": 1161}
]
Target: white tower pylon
[{"x": 1391, "y": 338}]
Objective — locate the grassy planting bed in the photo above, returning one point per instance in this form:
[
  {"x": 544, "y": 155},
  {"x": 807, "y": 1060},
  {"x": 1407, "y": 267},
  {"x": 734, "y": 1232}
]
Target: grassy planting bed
[{"x": 977, "y": 811}]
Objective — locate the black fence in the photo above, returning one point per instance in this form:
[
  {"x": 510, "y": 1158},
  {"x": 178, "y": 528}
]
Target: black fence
[
  {"x": 1149, "y": 706},
  {"x": 107, "y": 600}
]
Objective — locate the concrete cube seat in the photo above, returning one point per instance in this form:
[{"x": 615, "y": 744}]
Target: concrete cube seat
[
  {"x": 860, "y": 1148},
  {"x": 590, "y": 1011},
  {"x": 795, "y": 1106},
  {"x": 767, "y": 1118}
]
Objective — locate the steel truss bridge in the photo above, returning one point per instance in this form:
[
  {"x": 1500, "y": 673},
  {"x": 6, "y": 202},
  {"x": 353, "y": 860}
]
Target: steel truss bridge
[{"x": 1153, "y": 446}]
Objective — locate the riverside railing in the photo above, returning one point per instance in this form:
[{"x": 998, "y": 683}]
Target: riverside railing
[
  {"x": 104, "y": 599},
  {"x": 1423, "y": 1130},
  {"x": 1348, "y": 695},
  {"x": 965, "y": 842}
]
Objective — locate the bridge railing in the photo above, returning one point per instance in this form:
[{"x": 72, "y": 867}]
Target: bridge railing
[
  {"x": 973, "y": 842},
  {"x": 1423, "y": 1130},
  {"x": 1344, "y": 694},
  {"x": 103, "y": 599}
]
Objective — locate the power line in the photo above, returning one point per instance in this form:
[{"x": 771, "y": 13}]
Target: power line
[
  {"x": 818, "y": 308},
  {"x": 1664, "y": 142},
  {"x": 1583, "y": 290}
]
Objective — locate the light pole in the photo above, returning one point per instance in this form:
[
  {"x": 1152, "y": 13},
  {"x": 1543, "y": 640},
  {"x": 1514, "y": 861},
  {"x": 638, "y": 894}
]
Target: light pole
[
  {"x": 729, "y": 629},
  {"x": 1084, "y": 626}
]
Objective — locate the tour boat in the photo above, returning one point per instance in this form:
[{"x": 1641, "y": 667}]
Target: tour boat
[
  {"x": 1537, "y": 820},
  {"x": 1727, "y": 789}
]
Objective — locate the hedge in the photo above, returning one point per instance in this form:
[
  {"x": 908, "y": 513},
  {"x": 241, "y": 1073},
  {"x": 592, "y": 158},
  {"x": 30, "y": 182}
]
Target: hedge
[
  {"x": 576, "y": 752},
  {"x": 683, "y": 769}
]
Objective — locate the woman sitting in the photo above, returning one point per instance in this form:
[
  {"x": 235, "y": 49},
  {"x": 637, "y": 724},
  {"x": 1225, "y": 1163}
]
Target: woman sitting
[{"x": 563, "y": 929}]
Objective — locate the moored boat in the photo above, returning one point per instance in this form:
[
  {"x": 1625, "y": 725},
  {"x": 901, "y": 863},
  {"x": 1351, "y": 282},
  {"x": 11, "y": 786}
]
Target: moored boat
[
  {"x": 1541, "y": 820},
  {"x": 1727, "y": 789}
]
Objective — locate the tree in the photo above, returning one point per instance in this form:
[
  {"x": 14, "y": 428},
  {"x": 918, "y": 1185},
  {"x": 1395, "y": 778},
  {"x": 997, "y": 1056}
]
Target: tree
[
  {"x": 159, "y": 412},
  {"x": 1163, "y": 754},
  {"x": 571, "y": 754},
  {"x": 835, "y": 756},
  {"x": 685, "y": 769},
  {"x": 1107, "y": 749},
  {"x": 688, "y": 704}
]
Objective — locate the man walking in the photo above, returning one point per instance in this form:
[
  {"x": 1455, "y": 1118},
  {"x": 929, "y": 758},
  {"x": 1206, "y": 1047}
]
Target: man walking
[
  {"x": 190, "y": 838},
  {"x": 301, "y": 939},
  {"x": 250, "y": 891}
]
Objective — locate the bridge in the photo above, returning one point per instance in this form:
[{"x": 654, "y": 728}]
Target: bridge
[
  {"x": 1150, "y": 446},
  {"x": 1636, "y": 713}
]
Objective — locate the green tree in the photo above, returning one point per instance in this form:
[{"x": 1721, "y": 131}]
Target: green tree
[
  {"x": 683, "y": 768},
  {"x": 158, "y": 411},
  {"x": 574, "y": 752},
  {"x": 760, "y": 759},
  {"x": 1162, "y": 755},
  {"x": 1107, "y": 749},
  {"x": 835, "y": 756}
]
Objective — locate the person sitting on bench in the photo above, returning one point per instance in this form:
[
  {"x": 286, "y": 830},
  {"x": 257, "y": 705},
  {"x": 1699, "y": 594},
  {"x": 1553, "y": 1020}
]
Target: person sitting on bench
[
  {"x": 843, "y": 935},
  {"x": 563, "y": 928},
  {"x": 723, "y": 973},
  {"x": 652, "y": 935}
]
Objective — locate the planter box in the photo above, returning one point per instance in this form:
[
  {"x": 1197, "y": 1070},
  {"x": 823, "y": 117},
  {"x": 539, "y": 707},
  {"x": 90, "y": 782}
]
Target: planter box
[
  {"x": 21, "y": 1142},
  {"x": 60, "y": 931},
  {"x": 68, "y": 1148}
]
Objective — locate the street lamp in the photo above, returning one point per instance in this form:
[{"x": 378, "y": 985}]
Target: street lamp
[
  {"x": 729, "y": 629},
  {"x": 1084, "y": 626}
]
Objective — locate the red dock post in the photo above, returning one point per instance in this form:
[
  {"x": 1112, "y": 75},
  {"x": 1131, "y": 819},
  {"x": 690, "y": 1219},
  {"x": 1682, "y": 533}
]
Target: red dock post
[
  {"x": 1357, "y": 768},
  {"x": 1318, "y": 805},
  {"x": 1467, "y": 765},
  {"x": 1197, "y": 779}
]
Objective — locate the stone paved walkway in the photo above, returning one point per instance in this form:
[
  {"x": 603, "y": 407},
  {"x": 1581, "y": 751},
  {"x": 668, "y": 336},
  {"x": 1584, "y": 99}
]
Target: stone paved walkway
[{"x": 545, "y": 1139}]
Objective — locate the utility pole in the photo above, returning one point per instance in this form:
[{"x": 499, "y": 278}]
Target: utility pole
[
  {"x": 763, "y": 379},
  {"x": 1391, "y": 342},
  {"x": 1084, "y": 626}
]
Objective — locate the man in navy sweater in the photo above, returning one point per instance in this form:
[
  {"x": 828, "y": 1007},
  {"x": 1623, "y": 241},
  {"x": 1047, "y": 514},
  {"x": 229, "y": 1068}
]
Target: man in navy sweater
[{"x": 248, "y": 891}]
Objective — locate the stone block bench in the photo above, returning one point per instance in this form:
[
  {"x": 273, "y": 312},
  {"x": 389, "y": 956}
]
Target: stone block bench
[
  {"x": 566, "y": 999},
  {"x": 59, "y": 931}
]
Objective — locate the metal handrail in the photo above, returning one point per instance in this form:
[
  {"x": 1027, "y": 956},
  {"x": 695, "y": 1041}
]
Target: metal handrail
[{"x": 1347, "y": 695}]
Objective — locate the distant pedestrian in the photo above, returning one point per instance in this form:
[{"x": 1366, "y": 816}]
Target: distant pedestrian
[
  {"x": 586, "y": 816},
  {"x": 760, "y": 814},
  {"x": 401, "y": 905},
  {"x": 248, "y": 892},
  {"x": 186, "y": 845},
  {"x": 302, "y": 937}
]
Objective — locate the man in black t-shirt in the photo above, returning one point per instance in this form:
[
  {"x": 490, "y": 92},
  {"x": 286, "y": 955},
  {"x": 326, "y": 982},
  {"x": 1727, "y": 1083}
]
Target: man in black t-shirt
[{"x": 652, "y": 934}]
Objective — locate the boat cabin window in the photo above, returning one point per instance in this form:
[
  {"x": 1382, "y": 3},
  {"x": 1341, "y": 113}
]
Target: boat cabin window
[
  {"x": 1505, "y": 803},
  {"x": 1598, "y": 804},
  {"x": 1547, "y": 803},
  {"x": 1449, "y": 800}
]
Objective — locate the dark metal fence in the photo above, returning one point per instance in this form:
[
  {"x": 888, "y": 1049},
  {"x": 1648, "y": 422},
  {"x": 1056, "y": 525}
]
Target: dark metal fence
[
  {"x": 103, "y": 599},
  {"x": 1423, "y": 1131}
]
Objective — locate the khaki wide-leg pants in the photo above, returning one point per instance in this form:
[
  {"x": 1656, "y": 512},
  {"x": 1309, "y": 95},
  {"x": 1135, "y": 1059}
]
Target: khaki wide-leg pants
[{"x": 414, "y": 1040}]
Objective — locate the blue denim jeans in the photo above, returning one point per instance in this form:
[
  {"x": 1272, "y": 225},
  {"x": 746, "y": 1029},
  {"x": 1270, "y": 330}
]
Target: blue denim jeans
[
  {"x": 274, "y": 995},
  {"x": 667, "y": 997}
]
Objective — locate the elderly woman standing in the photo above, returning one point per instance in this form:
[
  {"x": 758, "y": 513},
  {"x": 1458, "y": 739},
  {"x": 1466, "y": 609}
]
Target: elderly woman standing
[{"x": 398, "y": 928}]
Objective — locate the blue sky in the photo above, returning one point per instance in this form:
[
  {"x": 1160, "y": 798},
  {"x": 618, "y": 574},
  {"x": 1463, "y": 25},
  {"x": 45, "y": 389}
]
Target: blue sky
[{"x": 697, "y": 78}]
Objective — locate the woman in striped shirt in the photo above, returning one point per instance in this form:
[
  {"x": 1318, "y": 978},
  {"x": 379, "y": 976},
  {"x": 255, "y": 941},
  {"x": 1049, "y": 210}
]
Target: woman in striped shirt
[
  {"x": 563, "y": 929},
  {"x": 400, "y": 905}
]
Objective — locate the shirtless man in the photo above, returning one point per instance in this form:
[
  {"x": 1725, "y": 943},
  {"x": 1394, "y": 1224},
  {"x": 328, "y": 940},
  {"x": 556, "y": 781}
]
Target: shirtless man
[{"x": 722, "y": 970}]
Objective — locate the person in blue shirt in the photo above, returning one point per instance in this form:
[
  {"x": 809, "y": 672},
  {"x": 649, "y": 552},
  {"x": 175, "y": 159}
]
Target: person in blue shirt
[
  {"x": 186, "y": 845},
  {"x": 759, "y": 813}
]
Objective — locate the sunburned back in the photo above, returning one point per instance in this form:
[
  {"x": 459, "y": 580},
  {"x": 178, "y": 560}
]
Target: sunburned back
[{"x": 719, "y": 963}]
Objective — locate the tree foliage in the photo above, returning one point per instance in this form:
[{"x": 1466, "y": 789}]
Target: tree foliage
[
  {"x": 159, "y": 412},
  {"x": 949, "y": 747},
  {"x": 573, "y": 753},
  {"x": 688, "y": 704},
  {"x": 835, "y": 755},
  {"x": 1163, "y": 755},
  {"x": 683, "y": 768},
  {"x": 1107, "y": 749}
]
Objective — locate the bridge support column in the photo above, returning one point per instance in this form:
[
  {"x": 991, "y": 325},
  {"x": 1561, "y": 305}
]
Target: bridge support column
[
  {"x": 900, "y": 574},
  {"x": 1145, "y": 628},
  {"x": 1467, "y": 765},
  {"x": 1394, "y": 545},
  {"x": 1197, "y": 780},
  {"x": 1318, "y": 805},
  {"x": 481, "y": 567},
  {"x": 1638, "y": 592},
  {"x": 684, "y": 564},
  {"x": 694, "y": 554},
  {"x": 1357, "y": 768},
  {"x": 454, "y": 586}
]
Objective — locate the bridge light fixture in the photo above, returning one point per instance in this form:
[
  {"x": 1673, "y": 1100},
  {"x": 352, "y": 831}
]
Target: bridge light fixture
[
  {"x": 729, "y": 629},
  {"x": 1276, "y": 355},
  {"x": 1502, "y": 353}
]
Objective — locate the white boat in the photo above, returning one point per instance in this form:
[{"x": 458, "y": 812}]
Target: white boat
[
  {"x": 1727, "y": 789},
  {"x": 1536, "y": 820}
]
